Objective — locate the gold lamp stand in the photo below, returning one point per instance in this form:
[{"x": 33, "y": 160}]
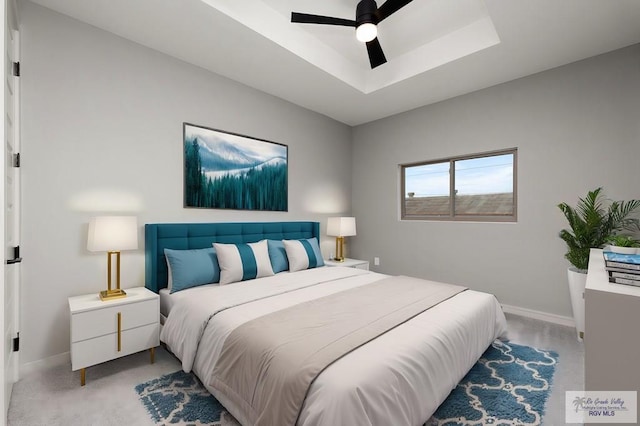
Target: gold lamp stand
[
  {"x": 339, "y": 249},
  {"x": 117, "y": 292}
]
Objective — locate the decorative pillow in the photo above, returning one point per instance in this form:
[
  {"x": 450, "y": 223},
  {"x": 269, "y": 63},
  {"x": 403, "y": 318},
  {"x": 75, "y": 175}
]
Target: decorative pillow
[
  {"x": 191, "y": 268},
  {"x": 303, "y": 254},
  {"x": 240, "y": 262},
  {"x": 278, "y": 256}
]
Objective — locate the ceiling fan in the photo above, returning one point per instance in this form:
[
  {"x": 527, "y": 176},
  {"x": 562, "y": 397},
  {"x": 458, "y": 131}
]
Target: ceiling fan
[{"x": 368, "y": 16}]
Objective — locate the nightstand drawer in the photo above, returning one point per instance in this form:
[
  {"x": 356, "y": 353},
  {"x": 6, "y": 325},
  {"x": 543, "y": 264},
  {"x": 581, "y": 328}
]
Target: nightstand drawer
[
  {"x": 105, "y": 348},
  {"x": 100, "y": 322}
]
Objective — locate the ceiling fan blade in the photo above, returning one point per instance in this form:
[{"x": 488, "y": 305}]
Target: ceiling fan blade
[
  {"x": 305, "y": 18},
  {"x": 390, "y": 7},
  {"x": 376, "y": 55}
]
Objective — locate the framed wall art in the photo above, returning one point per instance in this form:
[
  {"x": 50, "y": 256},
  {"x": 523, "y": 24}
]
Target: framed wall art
[{"x": 225, "y": 170}]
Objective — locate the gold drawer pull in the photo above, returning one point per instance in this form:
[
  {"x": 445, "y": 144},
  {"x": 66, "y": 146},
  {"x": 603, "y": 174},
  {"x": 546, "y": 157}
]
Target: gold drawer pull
[{"x": 119, "y": 331}]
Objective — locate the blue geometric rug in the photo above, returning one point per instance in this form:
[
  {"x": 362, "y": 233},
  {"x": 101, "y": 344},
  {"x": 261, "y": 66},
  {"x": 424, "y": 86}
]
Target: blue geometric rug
[
  {"x": 509, "y": 385},
  {"x": 180, "y": 398}
]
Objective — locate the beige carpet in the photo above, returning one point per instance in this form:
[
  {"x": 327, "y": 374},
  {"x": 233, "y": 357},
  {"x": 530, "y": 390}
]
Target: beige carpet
[{"x": 55, "y": 397}]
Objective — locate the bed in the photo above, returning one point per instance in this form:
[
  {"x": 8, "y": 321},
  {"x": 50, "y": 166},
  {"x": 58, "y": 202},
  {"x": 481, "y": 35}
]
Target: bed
[{"x": 398, "y": 377}]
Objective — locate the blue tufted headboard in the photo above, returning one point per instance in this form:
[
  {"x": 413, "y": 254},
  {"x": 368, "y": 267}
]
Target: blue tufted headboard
[{"x": 183, "y": 236}]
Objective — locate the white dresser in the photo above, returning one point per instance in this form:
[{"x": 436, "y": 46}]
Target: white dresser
[
  {"x": 106, "y": 330},
  {"x": 612, "y": 331}
]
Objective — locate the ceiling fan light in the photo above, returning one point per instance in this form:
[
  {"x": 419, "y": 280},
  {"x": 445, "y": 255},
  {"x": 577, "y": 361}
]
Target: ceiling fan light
[{"x": 366, "y": 32}]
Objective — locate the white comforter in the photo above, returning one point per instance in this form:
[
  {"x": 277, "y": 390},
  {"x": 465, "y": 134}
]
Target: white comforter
[{"x": 400, "y": 378}]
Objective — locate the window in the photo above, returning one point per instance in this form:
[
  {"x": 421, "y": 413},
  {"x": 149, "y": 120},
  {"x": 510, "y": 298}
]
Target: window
[{"x": 479, "y": 187}]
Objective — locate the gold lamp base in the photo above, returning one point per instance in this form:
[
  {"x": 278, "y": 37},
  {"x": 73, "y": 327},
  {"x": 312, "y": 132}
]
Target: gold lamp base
[
  {"x": 339, "y": 250},
  {"x": 112, "y": 294},
  {"x": 109, "y": 293}
]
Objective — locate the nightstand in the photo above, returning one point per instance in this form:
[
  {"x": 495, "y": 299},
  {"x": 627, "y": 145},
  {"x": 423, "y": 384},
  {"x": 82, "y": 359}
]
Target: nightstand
[
  {"x": 349, "y": 263},
  {"x": 102, "y": 331}
]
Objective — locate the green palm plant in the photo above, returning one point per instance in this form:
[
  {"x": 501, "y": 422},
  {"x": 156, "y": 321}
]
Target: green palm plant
[
  {"x": 592, "y": 223},
  {"x": 623, "y": 241}
]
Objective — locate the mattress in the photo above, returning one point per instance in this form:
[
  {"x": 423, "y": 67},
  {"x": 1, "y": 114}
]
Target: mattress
[
  {"x": 401, "y": 377},
  {"x": 168, "y": 300}
]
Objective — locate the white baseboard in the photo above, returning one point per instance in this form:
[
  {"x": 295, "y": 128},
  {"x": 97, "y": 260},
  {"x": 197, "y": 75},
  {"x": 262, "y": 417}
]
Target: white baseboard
[
  {"x": 43, "y": 364},
  {"x": 539, "y": 315}
]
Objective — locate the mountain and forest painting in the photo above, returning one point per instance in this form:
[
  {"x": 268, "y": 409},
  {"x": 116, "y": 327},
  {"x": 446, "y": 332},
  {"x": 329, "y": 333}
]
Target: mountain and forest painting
[{"x": 228, "y": 171}]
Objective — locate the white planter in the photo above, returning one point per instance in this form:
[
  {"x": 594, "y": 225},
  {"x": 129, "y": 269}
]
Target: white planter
[
  {"x": 623, "y": 250},
  {"x": 577, "y": 283}
]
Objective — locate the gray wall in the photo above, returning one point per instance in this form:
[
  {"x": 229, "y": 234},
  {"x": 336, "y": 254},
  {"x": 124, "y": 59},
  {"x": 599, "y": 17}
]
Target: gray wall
[
  {"x": 102, "y": 133},
  {"x": 575, "y": 127}
]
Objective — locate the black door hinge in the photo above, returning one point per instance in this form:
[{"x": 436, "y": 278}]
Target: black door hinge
[
  {"x": 16, "y": 343},
  {"x": 16, "y": 160},
  {"x": 16, "y": 256},
  {"x": 16, "y": 69}
]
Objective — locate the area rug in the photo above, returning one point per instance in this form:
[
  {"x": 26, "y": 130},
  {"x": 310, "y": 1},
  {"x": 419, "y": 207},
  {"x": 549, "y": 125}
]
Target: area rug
[
  {"x": 509, "y": 385},
  {"x": 180, "y": 399}
]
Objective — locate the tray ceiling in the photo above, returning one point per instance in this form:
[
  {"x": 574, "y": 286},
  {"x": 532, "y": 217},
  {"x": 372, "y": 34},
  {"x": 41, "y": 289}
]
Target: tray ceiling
[{"x": 436, "y": 49}]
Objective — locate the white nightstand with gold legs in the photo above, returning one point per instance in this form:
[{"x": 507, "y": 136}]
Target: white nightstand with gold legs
[{"x": 106, "y": 330}]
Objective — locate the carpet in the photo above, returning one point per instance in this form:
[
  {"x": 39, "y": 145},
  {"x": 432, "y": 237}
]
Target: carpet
[{"x": 509, "y": 385}]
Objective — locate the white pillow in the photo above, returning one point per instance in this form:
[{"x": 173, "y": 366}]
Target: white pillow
[
  {"x": 303, "y": 254},
  {"x": 240, "y": 262}
]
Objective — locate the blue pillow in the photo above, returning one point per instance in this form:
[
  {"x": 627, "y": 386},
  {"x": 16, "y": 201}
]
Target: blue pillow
[
  {"x": 278, "y": 256},
  {"x": 303, "y": 254},
  {"x": 191, "y": 268}
]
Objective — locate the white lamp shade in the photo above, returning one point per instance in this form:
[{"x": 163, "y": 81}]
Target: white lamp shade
[
  {"x": 113, "y": 233},
  {"x": 341, "y": 226}
]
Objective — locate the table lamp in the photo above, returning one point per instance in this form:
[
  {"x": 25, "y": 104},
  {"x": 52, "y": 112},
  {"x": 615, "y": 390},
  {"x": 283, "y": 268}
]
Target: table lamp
[
  {"x": 113, "y": 234},
  {"x": 341, "y": 227}
]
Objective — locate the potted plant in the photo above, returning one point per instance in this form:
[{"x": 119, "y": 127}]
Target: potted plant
[
  {"x": 592, "y": 223},
  {"x": 624, "y": 244}
]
